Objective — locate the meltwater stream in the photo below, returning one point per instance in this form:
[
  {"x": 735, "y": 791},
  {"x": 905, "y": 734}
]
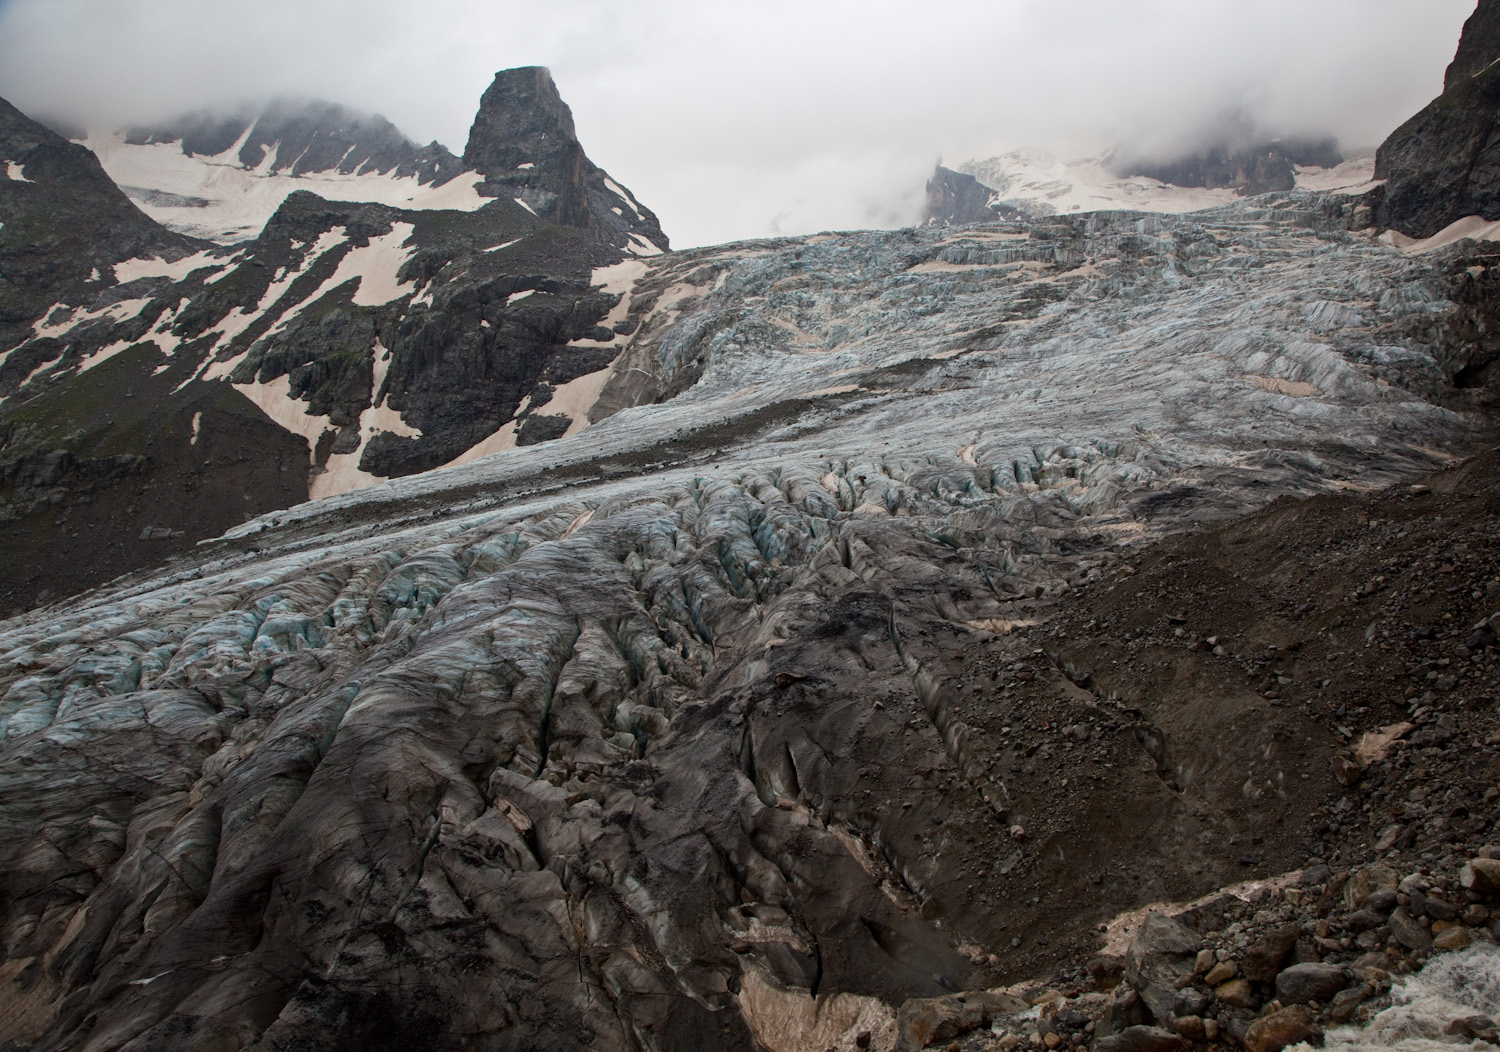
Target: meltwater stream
[{"x": 1453, "y": 987}]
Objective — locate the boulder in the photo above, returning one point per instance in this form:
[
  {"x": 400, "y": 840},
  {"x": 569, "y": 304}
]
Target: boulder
[
  {"x": 1452, "y": 939},
  {"x": 925, "y": 1021},
  {"x": 1263, "y": 960},
  {"x": 1303, "y": 983},
  {"x": 1162, "y": 953},
  {"x": 1142, "y": 1039},
  {"x": 1221, "y": 973},
  {"x": 1406, "y": 931},
  {"x": 1481, "y": 876},
  {"x": 1237, "y": 993},
  {"x": 1365, "y": 883},
  {"x": 1276, "y": 1031}
]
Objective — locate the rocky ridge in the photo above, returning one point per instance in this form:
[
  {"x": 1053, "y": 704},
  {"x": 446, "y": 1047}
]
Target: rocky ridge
[{"x": 300, "y": 137}]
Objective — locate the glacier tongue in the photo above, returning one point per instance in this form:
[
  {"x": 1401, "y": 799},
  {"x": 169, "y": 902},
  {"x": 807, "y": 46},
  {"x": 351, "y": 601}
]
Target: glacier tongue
[{"x": 639, "y": 731}]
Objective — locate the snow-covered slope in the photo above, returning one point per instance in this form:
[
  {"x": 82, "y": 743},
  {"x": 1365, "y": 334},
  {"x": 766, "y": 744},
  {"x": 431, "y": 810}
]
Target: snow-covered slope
[
  {"x": 218, "y": 197},
  {"x": 1039, "y": 183}
]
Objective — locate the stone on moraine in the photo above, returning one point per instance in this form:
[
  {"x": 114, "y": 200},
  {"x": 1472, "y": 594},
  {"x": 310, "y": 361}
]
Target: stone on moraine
[
  {"x": 1142, "y": 1039},
  {"x": 1276, "y": 1031},
  {"x": 1221, "y": 973},
  {"x": 1364, "y": 883},
  {"x": 1304, "y": 983},
  {"x": 1237, "y": 993},
  {"x": 1452, "y": 939},
  {"x": 1406, "y": 931},
  {"x": 1346, "y": 1002},
  {"x": 1268, "y": 953},
  {"x": 1160, "y": 956},
  {"x": 1481, "y": 876},
  {"x": 1382, "y": 900},
  {"x": 923, "y": 1021},
  {"x": 1190, "y": 1027}
]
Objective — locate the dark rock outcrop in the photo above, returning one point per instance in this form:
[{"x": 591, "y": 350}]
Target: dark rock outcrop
[
  {"x": 1444, "y": 163},
  {"x": 524, "y": 143},
  {"x": 956, "y": 198},
  {"x": 1250, "y": 169}
]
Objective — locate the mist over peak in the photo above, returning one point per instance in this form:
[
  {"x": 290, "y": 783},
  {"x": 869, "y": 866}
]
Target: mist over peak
[{"x": 740, "y": 126}]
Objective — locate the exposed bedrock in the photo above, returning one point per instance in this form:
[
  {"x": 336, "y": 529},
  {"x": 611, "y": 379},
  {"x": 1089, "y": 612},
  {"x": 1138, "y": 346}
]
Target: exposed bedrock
[{"x": 956, "y": 198}]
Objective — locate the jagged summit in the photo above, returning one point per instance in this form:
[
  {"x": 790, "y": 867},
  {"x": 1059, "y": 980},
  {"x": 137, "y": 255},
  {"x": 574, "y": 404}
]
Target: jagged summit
[
  {"x": 524, "y": 144},
  {"x": 300, "y": 136}
]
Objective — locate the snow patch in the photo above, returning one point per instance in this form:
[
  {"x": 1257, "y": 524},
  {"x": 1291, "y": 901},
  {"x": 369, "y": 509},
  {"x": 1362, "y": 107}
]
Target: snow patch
[
  {"x": 624, "y": 195},
  {"x": 1477, "y": 228},
  {"x": 133, "y": 269},
  {"x": 1355, "y": 176},
  {"x": 499, "y": 442},
  {"x": 528, "y": 208},
  {"x": 197, "y": 420},
  {"x": 1035, "y": 180},
  {"x": 376, "y": 265},
  {"x": 275, "y": 400},
  {"x": 16, "y": 172},
  {"x": 641, "y": 247}
]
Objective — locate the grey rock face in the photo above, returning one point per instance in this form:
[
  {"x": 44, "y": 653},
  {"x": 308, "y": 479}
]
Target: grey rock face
[
  {"x": 1250, "y": 169},
  {"x": 1160, "y": 955},
  {"x": 65, "y": 225},
  {"x": 1304, "y": 983}
]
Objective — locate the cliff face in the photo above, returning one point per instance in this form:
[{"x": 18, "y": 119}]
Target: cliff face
[{"x": 1444, "y": 163}]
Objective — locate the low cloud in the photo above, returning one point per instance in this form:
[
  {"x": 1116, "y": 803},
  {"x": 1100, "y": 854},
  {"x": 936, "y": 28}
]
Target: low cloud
[{"x": 737, "y": 120}]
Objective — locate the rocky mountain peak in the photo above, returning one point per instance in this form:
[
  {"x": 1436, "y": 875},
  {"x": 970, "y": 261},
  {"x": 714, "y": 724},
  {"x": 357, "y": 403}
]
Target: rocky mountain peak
[
  {"x": 524, "y": 143},
  {"x": 1237, "y": 155}
]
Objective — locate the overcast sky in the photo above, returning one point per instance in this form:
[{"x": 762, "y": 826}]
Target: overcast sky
[{"x": 737, "y": 120}]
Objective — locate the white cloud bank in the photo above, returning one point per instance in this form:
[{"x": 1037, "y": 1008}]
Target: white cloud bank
[{"x": 737, "y": 120}]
